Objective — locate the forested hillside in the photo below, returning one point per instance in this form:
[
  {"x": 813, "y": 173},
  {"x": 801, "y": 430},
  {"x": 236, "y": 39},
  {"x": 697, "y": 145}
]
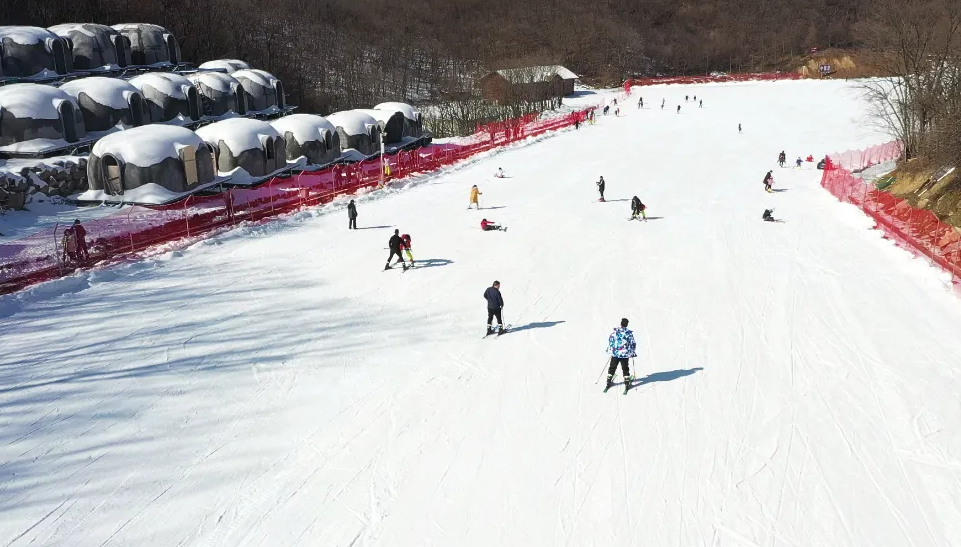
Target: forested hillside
[{"x": 335, "y": 54}]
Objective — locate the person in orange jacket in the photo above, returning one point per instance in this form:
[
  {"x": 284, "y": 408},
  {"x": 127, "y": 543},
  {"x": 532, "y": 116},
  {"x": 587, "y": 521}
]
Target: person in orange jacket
[{"x": 474, "y": 193}]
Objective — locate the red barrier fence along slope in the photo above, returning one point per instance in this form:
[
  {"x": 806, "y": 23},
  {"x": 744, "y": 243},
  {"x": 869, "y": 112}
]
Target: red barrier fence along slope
[
  {"x": 917, "y": 230},
  {"x": 40, "y": 257}
]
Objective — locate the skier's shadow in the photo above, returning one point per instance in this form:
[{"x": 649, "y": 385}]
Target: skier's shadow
[
  {"x": 665, "y": 376},
  {"x": 431, "y": 262},
  {"x": 779, "y": 189},
  {"x": 372, "y": 227},
  {"x": 540, "y": 325},
  {"x": 494, "y": 207},
  {"x": 613, "y": 200},
  {"x": 654, "y": 218}
]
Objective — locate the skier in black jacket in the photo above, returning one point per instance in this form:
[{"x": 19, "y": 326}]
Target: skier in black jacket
[
  {"x": 352, "y": 215},
  {"x": 495, "y": 302},
  {"x": 394, "y": 244}
]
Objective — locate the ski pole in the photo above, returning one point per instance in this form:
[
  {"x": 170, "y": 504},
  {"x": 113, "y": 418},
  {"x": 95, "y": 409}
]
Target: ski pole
[{"x": 602, "y": 372}]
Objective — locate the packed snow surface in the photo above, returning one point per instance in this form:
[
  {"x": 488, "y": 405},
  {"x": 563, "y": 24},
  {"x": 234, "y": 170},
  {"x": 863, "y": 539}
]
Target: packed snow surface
[
  {"x": 797, "y": 383},
  {"x": 148, "y": 144}
]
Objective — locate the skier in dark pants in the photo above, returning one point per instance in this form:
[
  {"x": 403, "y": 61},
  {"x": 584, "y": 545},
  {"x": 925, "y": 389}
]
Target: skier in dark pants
[
  {"x": 81, "y": 234},
  {"x": 781, "y": 158},
  {"x": 494, "y": 305},
  {"x": 621, "y": 347},
  {"x": 352, "y": 215},
  {"x": 394, "y": 244},
  {"x": 600, "y": 187}
]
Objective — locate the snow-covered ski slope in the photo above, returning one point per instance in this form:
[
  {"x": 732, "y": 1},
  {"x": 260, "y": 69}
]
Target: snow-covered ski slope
[{"x": 274, "y": 387}]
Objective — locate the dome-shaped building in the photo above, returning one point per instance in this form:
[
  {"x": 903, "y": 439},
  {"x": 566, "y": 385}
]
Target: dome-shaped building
[
  {"x": 108, "y": 104},
  {"x": 358, "y": 131},
  {"x": 150, "y": 45},
  {"x": 170, "y": 97},
  {"x": 95, "y": 47},
  {"x": 35, "y": 118},
  {"x": 310, "y": 139},
  {"x": 413, "y": 121},
  {"x": 33, "y": 52},
  {"x": 220, "y": 94},
  {"x": 227, "y": 65},
  {"x": 247, "y": 144},
  {"x": 265, "y": 93}
]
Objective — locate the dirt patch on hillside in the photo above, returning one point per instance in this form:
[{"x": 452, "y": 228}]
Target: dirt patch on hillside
[
  {"x": 844, "y": 63},
  {"x": 930, "y": 187}
]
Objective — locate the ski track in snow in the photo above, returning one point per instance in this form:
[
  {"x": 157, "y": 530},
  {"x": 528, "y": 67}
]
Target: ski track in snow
[{"x": 796, "y": 384}]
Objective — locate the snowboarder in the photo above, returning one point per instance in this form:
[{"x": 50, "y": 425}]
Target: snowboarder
[
  {"x": 490, "y": 225},
  {"x": 406, "y": 247},
  {"x": 600, "y": 187},
  {"x": 500, "y": 173},
  {"x": 638, "y": 209},
  {"x": 81, "y": 233},
  {"x": 621, "y": 347},
  {"x": 474, "y": 195},
  {"x": 768, "y": 216},
  {"x": 678, "y": 109},
  {"x": 495, "y": 303},
  {"x": 799, "y": 162},
  {"x": 781, "y": 158},
  {"x": 640, "y": 102},
  {"x": 394, "y": 244},
  {"x": 352, "y": 215},
  {"x": 768, "y": 181}
]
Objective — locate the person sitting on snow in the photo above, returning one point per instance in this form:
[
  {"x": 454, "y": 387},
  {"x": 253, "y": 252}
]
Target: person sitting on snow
[
  {"x": 500, "y": 173},
  {"x": 768, "y": 216},
  {"x": 488, "y": 226}
]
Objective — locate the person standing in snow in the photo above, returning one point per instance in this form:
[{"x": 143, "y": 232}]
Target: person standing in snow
[
  {"x": 600, "y": 187},
  {"x": 695, "y": 98},
  {"x": 663, "y": 101},
  {"x": 81, "y": 233},
  {"x": 739, "y": 128},
  {"x": 638, "y": 209},
  {"x": 678, "y": 109},
  {"x": 768, "y": 181},
  {"x": 700, "y": 103},
  {"x": 406, "y": 247},
  {"x": 617, "y": 111},
  {"x": 352, "y": 215},
  {"x": 495, "y": 303},
  {"x": 475, "y": 194},
  {"x": 640, "y": 102},
  {"x": 394, "y": 244},
  {"x": 687, "y": 98},
  {"x": 621, "y": 347},
  {"x": 799, "y": 162}
]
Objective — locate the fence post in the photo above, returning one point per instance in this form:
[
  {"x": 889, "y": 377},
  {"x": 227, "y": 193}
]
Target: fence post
[
  {"x": 187, "y": 216},
  {"x": 56, "y": 249}
]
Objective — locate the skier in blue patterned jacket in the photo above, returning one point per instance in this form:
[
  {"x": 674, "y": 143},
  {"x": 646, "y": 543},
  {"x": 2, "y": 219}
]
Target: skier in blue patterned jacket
[{"x": 621, "y": 346}]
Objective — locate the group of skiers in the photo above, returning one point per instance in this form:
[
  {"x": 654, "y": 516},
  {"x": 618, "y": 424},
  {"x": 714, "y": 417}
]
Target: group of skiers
[
  {"x": 74, "y": 244},
  {"x": 396, "y": 244}
]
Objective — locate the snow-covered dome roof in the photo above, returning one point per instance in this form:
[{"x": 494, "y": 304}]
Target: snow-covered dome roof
[
  {"x": 111, "y": 92},
  {"x": 144, "y": 26},
  {"x": 214, "y": 80},
  {"x": 260, "y": 77},
  {"x": 36, "y": 101},
  {"x": 148, "y": 144},
  {"x": 407, "y": 110},
  {"x": 238, "y": 134},
  {"x": 305, "y": 127},
  {"x": 230, "y": 65},
  {"x": 172, "y": 85},
  {"x": 382, "y": 116},
  {"x": 26, "y": 35},
  {"x": 353, "y": 122},
  {"x": 89, "y": 29}
]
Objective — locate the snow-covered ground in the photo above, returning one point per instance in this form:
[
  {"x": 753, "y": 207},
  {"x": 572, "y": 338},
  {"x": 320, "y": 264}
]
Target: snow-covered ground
[{"x": 799, "y": 382}]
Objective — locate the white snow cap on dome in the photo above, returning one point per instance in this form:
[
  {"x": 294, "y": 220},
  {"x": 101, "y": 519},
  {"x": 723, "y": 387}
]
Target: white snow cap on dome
[
  {"x": 214, "y": 80},
  {"x": 26, "y": 35},
  {"x": 382, "y": 116},
  {"x": 305, "y": 127},
  {"x": 148, "y": 144},
  {"x": 230, "y": 65},
  {"x": 84, "y": 28},
  {"x": 111, "y": 92},
  {"x": 35, "y": 101},
  {"x": 261, "y": 77},
  {"x": 407, "y": 110},
  {"x": 238, "y": 134},
  {"x": 173, "y": 85},
  {"x": 149, "y": 26},
  {"x": 353, "y": 122}
]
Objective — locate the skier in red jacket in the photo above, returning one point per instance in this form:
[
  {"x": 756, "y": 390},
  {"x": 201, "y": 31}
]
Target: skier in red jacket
[{"x": 488, "y": 226}]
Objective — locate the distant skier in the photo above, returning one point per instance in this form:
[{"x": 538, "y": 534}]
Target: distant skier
[
  {"x": 617, "y": 111},
  {"x": 621, "y": 347},
  {"x": 615, "y": 101},
  {"x": 500, "y": 173},
  {"x": 640, "y": 102},
  {"x": 823, "y": 163},
  {"x": 394, "y": 244},
  {"x": 606, "y": 110},
  {"x": 678, "y": 109},
  {"x": 686, "y": 98},
  {"x": 700, "y": 103},
  {"x": 695, "y": 98},
  {"x": 600, "y": 187},
  {"x": 768, "y": 181},
  {"x": 475, "y": 194},
  {"x": 809, "y": 159},
  {"x": 407, "y": 248},
  {"x": 739, "y": 129},
  {"x": 352, "y": 215},
  {"x": 799, "y": 162},
  {"x": 577, "y": 123},
  {"x": 495, "y": 303},
  {"x": 490, "y": 226},
  {"x": 638, "y": 209},
  {"x": 781, "y": 158},
  {"x": 662, "y": 103},
  {"x": 768, "y": 216}
]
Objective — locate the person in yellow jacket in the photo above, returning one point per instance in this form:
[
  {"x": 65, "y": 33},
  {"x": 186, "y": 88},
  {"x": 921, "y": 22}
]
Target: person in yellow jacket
[{"x": 474, "y": 193}]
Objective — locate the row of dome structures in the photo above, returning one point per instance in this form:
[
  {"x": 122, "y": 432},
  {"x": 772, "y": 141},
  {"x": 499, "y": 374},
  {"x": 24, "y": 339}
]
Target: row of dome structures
[
  {"x": 156, "y": 164},
  {"x": 35, "y": 53}
]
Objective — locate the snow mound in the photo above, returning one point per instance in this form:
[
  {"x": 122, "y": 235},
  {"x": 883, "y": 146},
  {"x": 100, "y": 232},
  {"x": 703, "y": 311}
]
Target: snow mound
[
  {"x": 304, "y": 127},
  {"x": 110, "y": 92},
  {"x": 238, "y": 134},
  {"x": 230, "y": 65},
  {"x": 407, "y": 110},
  {"x": 147, "y": 145},
  {"x": 217, "y": 81},
  {"x": 172, "y": 85},
  {"x": 353, "y": 122},
  {"x": 260, "y": 77},
  {"x": 36, "y": 101},
  {"x": 26, "y": 35}
]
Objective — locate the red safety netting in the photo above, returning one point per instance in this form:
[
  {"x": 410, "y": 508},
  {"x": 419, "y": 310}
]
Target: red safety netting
[
  {"x": 917, "y": 230},
  {"x": 40, "y": 257}
]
